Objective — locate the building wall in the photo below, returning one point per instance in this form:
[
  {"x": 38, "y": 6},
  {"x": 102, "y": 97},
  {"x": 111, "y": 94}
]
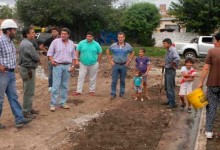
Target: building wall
[
  {"x": 174, "y": 36},
  {"x": 163, "y": 23}
]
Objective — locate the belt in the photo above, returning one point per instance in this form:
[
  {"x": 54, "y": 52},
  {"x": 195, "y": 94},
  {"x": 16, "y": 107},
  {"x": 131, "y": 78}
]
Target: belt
[
  {"x": 28, "y": 67},
  {"x": 169, "y": 69},
  {"x": 63, "y": 63},
  {"x": 120, "y": 63},
  {"x": 9, "y": 70}
]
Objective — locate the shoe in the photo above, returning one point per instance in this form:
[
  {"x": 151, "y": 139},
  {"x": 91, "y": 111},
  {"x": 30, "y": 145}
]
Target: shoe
[
  {"x": 76, "y": 93},
  {"x": 136, "y": 99},
  {"x": 147, "y": 97},
  {"x": 29, "y": 115},
  {"x": 189, "y": 110},
  {"x": 165, "y": 103},
  {"x": 171, "y": 107},
  {"x": 209, "y": 135},
  {"x": 121, "y": 95},
  {"x": 52, "y": 108},
  {"x": 64, "y": 106},
  {"x": 22, "y": 123},
  {"x": 34, "y": 111},
  {"x": 182, "y": 107},
  {"x": 142, "y": 99},
  {"x": 113, "y": 97},
  {"x": 2, "y": 126},
  {"x": 92, "y": 93},
  {"x": 50, "y": 89}
]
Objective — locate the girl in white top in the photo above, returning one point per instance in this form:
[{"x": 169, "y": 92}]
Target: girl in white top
[{"x": 188, "y": 74}]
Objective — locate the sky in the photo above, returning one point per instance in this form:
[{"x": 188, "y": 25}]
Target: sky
[{"x": 156, "y": 2}]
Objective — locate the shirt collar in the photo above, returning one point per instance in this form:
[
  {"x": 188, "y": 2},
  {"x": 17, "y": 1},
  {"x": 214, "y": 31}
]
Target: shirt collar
[
  {"x": 123, "y": 45},
  {"x": 7, "y": 38}
]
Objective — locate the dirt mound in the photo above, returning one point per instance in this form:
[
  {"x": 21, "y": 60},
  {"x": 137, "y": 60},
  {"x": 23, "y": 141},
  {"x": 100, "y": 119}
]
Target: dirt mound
[{"x": 133, "y": 125}]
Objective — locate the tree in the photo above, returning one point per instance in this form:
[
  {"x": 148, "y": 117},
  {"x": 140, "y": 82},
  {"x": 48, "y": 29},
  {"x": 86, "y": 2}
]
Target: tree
[
  {"x": 78, "y": 15},
  {"x": 6, "y": 12},
  {"x": 139, "y": 21},
  {"x": 201, "y": 16}
]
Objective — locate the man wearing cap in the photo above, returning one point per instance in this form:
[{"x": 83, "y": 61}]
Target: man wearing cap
[{"x": 7, "y": 75}]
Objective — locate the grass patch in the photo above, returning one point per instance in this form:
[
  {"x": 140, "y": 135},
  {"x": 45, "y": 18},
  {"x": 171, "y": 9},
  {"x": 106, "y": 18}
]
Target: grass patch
[{"x": 150, "y": 51}]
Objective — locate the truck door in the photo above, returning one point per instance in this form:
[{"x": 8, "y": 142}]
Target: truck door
[{"x": 205, "y": 44}]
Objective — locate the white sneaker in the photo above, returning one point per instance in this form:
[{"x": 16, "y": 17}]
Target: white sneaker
[
  {"x": 142, "y": 99},
  {"x": 50, "y": 89},
  {"x": 209, "y": 135},
  {"x": 52, "y": 108},
  {"x": 136, "y": 99}
]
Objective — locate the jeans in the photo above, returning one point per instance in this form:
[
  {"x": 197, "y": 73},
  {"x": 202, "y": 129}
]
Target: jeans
[
  {"x": 170, "y": 85},
  {"x": 118, "y": 71},
  {"x": 92, "y": 71},
  {"x": 29, "y": 88},
  {"x": 8, "y": 87},
  {"x": 61, "y": 77},
  {"x": 50, "y": 74}
]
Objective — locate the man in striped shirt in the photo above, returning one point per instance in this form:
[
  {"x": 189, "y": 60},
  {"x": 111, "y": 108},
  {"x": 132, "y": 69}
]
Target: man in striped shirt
[
  {"x": 7, "y": 75},
  {"x": 62, "y": 56}
]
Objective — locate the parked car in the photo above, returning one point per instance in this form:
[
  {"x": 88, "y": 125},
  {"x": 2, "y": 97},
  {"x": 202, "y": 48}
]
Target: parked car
[
  {"x": 198, "y": 47},
  {"x": 42, "y": 37}
]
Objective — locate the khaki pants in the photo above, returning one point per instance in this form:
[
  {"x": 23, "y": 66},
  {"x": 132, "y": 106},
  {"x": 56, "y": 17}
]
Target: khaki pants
[{"x": 28, "y": 88}]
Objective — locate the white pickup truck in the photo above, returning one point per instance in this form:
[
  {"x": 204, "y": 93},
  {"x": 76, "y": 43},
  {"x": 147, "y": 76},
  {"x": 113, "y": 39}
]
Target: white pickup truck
[{"x": 198, "y": 47}]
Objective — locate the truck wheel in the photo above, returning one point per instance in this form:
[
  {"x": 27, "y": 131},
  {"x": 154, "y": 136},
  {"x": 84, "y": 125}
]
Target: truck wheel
[{"x": 190, "y": 54}]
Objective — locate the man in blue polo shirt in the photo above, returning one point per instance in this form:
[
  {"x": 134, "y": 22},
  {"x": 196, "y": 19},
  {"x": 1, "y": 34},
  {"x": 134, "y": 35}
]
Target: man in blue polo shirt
[
  {"x": 119, "y": 62},
  {"x": 89, "y": 52}
]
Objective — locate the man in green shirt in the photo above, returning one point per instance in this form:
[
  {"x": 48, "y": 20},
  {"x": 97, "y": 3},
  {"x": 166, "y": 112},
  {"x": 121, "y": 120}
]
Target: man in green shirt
[{"x": 89, "y": 53}]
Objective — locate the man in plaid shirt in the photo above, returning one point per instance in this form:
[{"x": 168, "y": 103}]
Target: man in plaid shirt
[{"x": 7, "y": 75}]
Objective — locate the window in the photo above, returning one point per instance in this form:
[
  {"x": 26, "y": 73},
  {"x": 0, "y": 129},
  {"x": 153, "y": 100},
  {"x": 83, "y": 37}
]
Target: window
[{"x": 207, "y": 40}]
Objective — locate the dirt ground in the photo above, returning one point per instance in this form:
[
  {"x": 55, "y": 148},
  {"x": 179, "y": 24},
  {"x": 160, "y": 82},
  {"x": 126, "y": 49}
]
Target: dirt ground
[{"x": 92, "y": 122}]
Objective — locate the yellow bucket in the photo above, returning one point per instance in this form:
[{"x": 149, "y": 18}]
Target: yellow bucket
[{"x": 197, "y": 98}]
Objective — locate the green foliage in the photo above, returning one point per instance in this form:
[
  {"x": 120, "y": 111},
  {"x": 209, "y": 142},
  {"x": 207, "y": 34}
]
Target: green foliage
[
  {"x": 6, "y": 12},
  {"x": 200, "y": 16},
  {"x": 79, "y": 15},
  {"x": 139, "y": 21}
]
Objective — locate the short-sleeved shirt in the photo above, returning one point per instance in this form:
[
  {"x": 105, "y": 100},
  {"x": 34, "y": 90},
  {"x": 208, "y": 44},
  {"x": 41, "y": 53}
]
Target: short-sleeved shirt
[
  {"x": 48, "y": 42},
  {"x": 62, "y": 52},
  {"x": 187, "y": 71},
  {"x": 142, "y": 63},
  {"x": 213, "y": 59},
  {"x": 89, "y": 52},
  {"x": 120, "y": 54},
  {"x": 137, "y": 81}
]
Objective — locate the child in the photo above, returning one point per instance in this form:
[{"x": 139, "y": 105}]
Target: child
[
  {"x": 143, "y": 65},
  {"x": 137, "y": 84},
  {"x": 188, "y": 74}
]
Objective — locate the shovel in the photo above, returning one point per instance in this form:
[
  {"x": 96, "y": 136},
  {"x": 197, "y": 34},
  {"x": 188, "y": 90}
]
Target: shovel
[{"x": 161, "y": 83}]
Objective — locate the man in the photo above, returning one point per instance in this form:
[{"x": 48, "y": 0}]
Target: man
[
  {"x": 89, "y": 52},
  {"x": 211, "y": 68},
  {"x": 7, "y": 75},
  {"x": 28, "y": 61},
  {"x": 171, "y": 63},
  {"x": 62, "y": 56},
  {"x": 119, "y": 62},
  {"x": 55, "y": 34}
]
